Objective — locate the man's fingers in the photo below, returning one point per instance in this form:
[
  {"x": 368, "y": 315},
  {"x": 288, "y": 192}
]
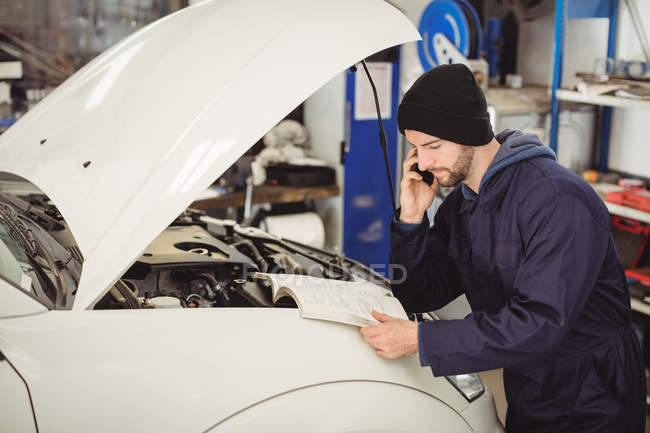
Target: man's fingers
[
  {"x": 411, "y": 175},
  {"x": 382, "y": 353},
  {"x": 411, "y": 151},
  {"x": 378, "y": 346},
  {"x": 408, "y": 162},
  {"x": 386, "y": 354},
  {"x": 375, "y": 341},
  {"x": 381, "y": 317},
  {"x": 379, "y": 338},
  {"x": 372, "y": 331}
]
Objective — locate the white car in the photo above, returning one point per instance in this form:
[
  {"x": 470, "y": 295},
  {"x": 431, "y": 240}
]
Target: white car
[{"x": 97, "y": 266}]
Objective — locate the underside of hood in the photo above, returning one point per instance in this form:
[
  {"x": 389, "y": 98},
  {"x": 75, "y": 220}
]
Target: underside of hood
[{"x": 127, "y": 143}]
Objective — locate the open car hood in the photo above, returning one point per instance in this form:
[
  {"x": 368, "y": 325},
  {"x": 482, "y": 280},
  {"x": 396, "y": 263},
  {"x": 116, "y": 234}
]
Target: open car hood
[{"x": 127, "y": 143}]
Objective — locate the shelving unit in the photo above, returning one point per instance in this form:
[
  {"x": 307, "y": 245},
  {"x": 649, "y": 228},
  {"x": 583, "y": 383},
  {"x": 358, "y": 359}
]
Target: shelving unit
[
  {"x": 583, "y": 9},
  {"x": 616, "y": 209},
  {"x": 603, "y": 100},
  {"x": 529, "y": 99},
  {"x": 640, "y": 307},
  {"x": 267, "y": 194},
  {"x": 628, "y": 212}
]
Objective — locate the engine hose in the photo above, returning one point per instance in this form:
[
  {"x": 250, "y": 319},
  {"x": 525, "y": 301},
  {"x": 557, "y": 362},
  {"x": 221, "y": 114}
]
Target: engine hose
[
  {"x": 209, "y": 278},
  {"x": 263, "y": 264},
  {"x": 129, "y": 296},
  {"x": 300, "y": 250},
  {"x": 214, "y": 289}
]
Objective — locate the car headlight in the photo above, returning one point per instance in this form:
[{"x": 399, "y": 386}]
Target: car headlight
[{"x": 469, "y": 385}]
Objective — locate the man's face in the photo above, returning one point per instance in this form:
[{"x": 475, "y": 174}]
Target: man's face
[{"x": 450, "y": 162}]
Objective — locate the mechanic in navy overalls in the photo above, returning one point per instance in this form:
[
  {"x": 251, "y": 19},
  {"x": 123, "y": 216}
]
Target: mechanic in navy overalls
[{"x": 529, "y": 243}]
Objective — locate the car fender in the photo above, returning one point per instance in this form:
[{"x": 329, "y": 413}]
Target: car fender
[
  {"x": 347, "y": 406},
  {"x": 187, "y": 369}
]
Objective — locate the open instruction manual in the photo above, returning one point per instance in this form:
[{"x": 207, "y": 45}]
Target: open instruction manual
[{"x": 339, "y": 301}]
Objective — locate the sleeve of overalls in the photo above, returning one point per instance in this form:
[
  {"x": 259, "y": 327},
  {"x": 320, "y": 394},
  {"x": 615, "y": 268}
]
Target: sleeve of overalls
[
  {"x": 564, "y": 250},
  {"x": 423, "y": 276}
]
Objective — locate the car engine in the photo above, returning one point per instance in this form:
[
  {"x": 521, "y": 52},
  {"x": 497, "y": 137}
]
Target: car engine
[{"x": 202, "y": 262}]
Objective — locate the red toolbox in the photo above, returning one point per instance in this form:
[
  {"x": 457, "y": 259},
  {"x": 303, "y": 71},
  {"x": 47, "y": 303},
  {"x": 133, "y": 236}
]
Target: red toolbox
[
  {"x": 636, "y": 198},
  {"x": 641, "y": 274}
]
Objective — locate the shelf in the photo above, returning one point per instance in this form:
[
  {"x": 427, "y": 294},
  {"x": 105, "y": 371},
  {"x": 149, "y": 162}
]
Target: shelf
[
  {"x": 268, "y": 194},
  {"x": 628, "y": 212},
  {"x": 616, "y": 209},
  {"x": 639, "y": 306},
  {"x": 507, "y": 101},
  {"x": 605, "y": 100}
]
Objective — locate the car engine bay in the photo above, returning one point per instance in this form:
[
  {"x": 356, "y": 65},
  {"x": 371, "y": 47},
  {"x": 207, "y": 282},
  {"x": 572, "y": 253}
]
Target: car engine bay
[{"x": 202, "y": 262}]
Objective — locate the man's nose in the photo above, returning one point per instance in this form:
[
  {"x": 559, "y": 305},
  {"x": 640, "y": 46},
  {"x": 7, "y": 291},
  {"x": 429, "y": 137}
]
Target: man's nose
[{"x": 425, "y": 161}]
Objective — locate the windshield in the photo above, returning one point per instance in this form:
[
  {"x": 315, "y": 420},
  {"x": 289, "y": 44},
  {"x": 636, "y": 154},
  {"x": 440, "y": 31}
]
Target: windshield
[
  {"x": 31, "y": 257},
  {"x": 17, "y": 267}
]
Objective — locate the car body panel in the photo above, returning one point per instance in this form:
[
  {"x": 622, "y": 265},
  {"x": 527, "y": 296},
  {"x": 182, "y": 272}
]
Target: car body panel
[
  {"x": 129, "y": 141},
  {"x": 482, "y": 414},
  {"x": 14, "y": 303},
  {"x": 355, "y": 406},
  {"x": 188, "y": 369},
  {"x": 15, "y": 411}
]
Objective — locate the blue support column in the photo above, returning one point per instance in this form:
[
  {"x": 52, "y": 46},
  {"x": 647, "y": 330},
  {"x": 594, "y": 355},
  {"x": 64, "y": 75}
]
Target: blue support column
[
  {"x": 558, "y": 57},
  {"x": 613, "y": 21},
  {"x": 589, "y": 9},
  {"x": 367, "y": 207},
  {"x": 606, "y": 119}
]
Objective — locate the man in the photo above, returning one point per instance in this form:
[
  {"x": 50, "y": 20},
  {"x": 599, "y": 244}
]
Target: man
[{"x": 529, "y": 243}]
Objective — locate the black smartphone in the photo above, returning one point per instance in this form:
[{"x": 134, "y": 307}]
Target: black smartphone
[{"x": 427, "y": 176}]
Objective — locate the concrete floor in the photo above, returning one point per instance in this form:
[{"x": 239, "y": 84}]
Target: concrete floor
[{"x": 493, "y": 379}]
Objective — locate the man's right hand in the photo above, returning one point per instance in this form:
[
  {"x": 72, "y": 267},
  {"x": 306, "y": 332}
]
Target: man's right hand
[{"x": 416, "y": 196}]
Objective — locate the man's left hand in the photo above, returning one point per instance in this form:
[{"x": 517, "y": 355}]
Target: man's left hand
[{"x": 392, "y": 338}]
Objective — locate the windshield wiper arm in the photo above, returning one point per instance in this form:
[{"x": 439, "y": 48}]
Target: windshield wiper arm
[{"x": 23, "y": 234}]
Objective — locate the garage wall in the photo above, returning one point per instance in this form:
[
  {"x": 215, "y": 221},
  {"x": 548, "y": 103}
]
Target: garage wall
[{"x": 325, "y": 119}]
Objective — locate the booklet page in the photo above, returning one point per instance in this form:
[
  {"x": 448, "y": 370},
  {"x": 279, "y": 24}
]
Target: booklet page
[{"x": 317, "y": 296}]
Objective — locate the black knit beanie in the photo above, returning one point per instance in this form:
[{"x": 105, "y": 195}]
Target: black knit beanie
[{"x": 448, "y": 103}]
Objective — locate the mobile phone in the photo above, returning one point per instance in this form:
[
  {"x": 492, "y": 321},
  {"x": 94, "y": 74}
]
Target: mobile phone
[{"x": 427, "y": 176}]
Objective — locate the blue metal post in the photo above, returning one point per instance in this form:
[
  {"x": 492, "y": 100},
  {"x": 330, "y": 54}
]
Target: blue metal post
[
  {"x": 613, "y": 20},
  {"x": 558, "y": 57},
  {"x": 367, "y": 207},
  {"x": 606, "y": 126}
]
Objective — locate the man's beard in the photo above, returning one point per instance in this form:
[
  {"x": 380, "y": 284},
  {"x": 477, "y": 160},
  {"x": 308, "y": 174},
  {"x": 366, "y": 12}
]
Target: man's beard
[{"x": 461, "y": 167}]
